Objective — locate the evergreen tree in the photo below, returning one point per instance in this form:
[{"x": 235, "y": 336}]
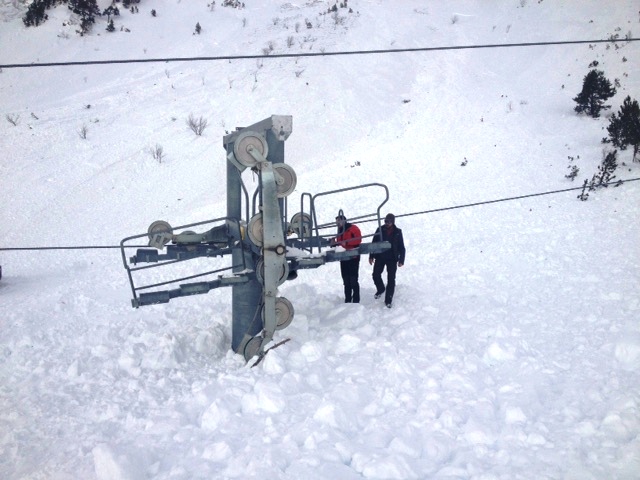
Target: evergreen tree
[
  {"x": 624, "y": 128},
  {"x": 110, "y": 11},
  {"x": 84, "y": 8},
  {"x": 36, "y": 13},
  {"x": 606, "y": 169},
  {"x": 596, "y": 89},
  {"x": 87, "y": 9},
  {"x": 85, "y": 25}
]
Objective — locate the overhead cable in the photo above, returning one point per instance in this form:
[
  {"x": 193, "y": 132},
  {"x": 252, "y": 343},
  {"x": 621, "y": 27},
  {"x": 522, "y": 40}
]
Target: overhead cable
[
  {"x": 423, "y": 212},
  {"x": 311, "y": 54},
  {"x": 519, "y": 197}
]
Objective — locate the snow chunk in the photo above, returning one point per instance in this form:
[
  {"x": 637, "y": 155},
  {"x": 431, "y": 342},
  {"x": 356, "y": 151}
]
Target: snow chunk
[
  {"x": 402, "y": 447},
  {"x": 112, "y": 465},
  {"x": 312, "y": 351},
  {"x": 326, "y": 414},
  {"x": 212, "y": 417},
  {"x": 274, "y": 364},
  {"x": 627, "y": 352},
  {"x": 211, "y": 342},
  {"x": 270, "y": 397},
  {"x": 166, "y": 351},
  {"x": 217, "y": 452},
  {"x": 347, "y": 343},
  {"x": 478, "y": 437},
  {"x": 390, "y": 467},
  {"x": 74, "y": 369},
  {"x": 536, "y": 439},
  {"x": 514, "y": 415},
  {"x": 586, "y": 429},
  {"x": 130, "y": 365},
  {"x": 438, "y": 447},
  {"x": 497, "y": 352}
]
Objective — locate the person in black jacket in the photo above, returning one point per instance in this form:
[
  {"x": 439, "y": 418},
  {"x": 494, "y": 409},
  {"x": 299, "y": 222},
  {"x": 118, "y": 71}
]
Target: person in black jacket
[{"x": 391, "y": 259}]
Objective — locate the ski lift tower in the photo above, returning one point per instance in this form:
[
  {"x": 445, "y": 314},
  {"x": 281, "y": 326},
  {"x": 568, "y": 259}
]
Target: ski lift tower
[
  {"x": 254, "y": 234},
  {"x": 260, "y": 147}
]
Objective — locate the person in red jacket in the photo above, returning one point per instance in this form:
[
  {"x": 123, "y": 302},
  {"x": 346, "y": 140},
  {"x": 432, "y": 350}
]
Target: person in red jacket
[{"x": 349, "y": 237}]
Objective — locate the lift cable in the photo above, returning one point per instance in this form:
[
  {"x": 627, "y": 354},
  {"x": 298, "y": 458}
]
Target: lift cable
[
  {"x": 80, "y": 247},
  {"x": 313, "y": 54},
  {"x": 508, "y": 199},
  {"x": 423, "y": 212}
]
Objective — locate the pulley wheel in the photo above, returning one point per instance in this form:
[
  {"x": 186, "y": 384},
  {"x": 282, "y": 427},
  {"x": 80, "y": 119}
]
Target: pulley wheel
[
  {"x": 256, "y": 230},
  {"x": 252, "y": 348},
  {"x": 301, "y": 224},
  {"x": 244, "y": 142},
  {"x": 284, "y": 313},
  {"x": 284, "y": 273},
  {"x": 159, "y": 226},
  {"x": 188, "y": 237},
  {"x": 286, "y": 184}
]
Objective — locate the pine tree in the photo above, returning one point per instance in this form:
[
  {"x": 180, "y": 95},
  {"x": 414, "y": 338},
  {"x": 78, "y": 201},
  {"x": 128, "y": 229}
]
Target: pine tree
[
  {"x": 110, "y": 11},
  {"x": 624, "y": 128},
  {"x": 36, "y": 13},
  {"x": 87, "y": 9},
  {"x": 596, "y": 89},
  {"x": 84, "y": 8},
  {"x": 606, "y": 169}
]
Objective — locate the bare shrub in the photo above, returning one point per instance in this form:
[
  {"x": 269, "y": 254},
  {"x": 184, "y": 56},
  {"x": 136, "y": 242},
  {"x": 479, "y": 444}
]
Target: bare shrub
[
  {"x": 338, "y": 20},
  {"x": 269, "y": 48},
  {"x": 197, "y": 125},
  {"x": 157, "y": 152},
  {"x": 13, "y": 119},
  {"x": 83, "y": 132}
]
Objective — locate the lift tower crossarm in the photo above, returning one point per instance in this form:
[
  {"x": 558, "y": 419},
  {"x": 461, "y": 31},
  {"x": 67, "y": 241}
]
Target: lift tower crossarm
[{"x": 187, "y": 289}]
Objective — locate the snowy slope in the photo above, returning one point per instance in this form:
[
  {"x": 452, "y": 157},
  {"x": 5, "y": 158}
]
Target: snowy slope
[{"x": 513, "y": 348}]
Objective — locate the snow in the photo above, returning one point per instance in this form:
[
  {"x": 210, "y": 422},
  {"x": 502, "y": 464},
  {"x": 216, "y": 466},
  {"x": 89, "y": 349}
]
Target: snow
[{"x": 513, "y": 347}]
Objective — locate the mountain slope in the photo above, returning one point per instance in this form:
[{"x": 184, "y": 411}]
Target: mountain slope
[{"x": 513, "y": 347}]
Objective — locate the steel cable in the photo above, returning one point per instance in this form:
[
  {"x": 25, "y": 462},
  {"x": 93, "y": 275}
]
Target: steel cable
[
  {"x": 311, "y": 54},
  {"x": 422, "y": 212}
]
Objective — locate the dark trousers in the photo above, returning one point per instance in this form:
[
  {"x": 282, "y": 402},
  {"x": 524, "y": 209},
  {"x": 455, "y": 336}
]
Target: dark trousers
[
  {"x": 392, "y": 267},
  {"x": 349, "y": 271}
]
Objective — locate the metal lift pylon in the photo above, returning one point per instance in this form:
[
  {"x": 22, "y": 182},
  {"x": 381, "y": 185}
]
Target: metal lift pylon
[
  {"x": 262, "y": 257},
  {"x": 261, "y": 147}
]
